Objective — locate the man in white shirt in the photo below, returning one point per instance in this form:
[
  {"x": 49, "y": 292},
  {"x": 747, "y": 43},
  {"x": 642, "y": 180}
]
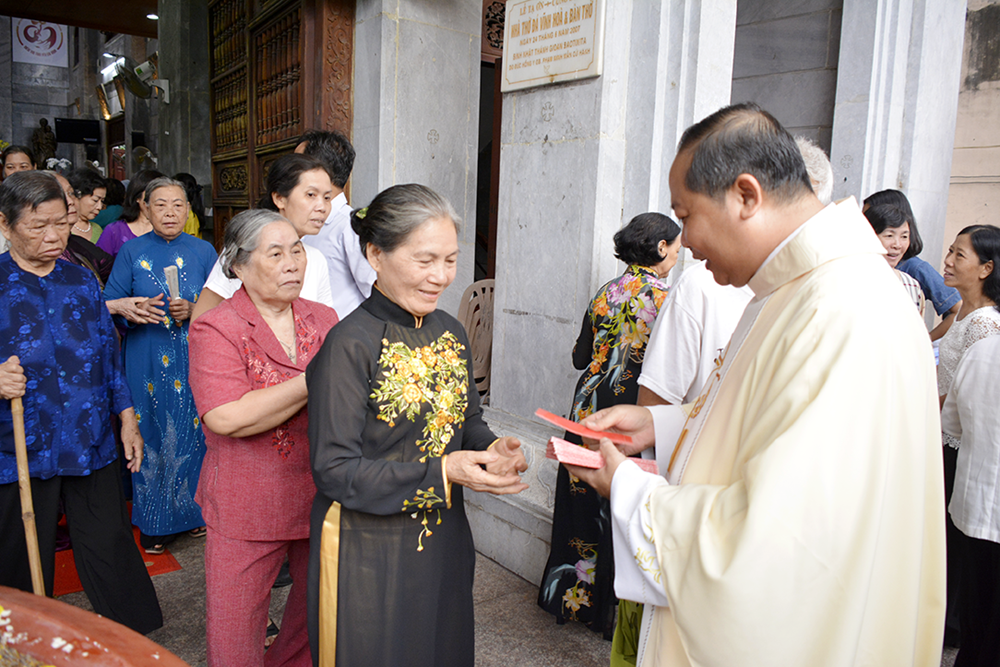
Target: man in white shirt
[
  {"x": 692, "y": 328},
  {"x": 801, "y": 520},
  {"x": 351, "y": 277}
]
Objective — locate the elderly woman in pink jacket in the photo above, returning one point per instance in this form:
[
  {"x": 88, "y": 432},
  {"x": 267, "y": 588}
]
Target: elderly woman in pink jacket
[{"x": 247, "y": 361}]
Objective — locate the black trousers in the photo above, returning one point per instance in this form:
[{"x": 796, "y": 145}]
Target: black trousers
[
  {"x": 111, "y": 569},
  {"x": 979, "y": 602}
]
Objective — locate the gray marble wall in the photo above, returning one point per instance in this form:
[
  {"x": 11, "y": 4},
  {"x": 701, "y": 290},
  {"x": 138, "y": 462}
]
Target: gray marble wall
[
  {"x": 786, "y": 61},
  {"x": 895, "y": 114},
  {"x": 416, "y": 107},
  {"x": 578, "y": 160},
  {"x": 183, "y": 126},
  {"x": 6, "y": 101}
]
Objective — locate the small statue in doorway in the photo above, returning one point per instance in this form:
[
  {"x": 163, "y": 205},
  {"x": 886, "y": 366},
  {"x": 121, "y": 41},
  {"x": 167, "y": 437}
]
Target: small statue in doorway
[{"x": 43, "y": 142}]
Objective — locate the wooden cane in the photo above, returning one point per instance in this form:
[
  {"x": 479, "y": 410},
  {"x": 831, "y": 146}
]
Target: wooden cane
[{"x": 27, "y": 507}]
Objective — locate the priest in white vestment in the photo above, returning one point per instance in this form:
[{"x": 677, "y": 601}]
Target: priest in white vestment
[{"x": 799, "y": 520}]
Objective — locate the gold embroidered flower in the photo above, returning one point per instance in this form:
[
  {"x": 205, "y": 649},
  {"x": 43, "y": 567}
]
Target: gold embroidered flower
[
  {"x": 177, "y": 385},
  {"x": 179, "y": 262},
  {"x": 197, "y": 422},
  {"x": 149, "y": 388},
  {"x": 445, "y": 399},
  {"x": 144, "y": 264},
  {"x": 412, "y": 393},
  {"x": 166, "y": 360},
  {"x": 430, "y": 382}
]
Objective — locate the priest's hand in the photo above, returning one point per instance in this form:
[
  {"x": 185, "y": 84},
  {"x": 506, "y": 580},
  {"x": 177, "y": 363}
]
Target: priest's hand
[
  {"x": 12, "y": 379},
  {"x": 600, "y": 479},
  {"x": 632, "y": 420},
  {"x": 510, "y": 457},
  {"x": 465, "y": 467}
]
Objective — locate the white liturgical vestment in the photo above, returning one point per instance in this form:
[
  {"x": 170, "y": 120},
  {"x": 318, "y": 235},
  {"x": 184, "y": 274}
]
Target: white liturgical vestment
[{"x": 802, "y": 519}]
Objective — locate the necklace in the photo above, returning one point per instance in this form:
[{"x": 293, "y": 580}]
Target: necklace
[
  {"x": 289, "y": 349},
  {"x": 85, "y": 231}
]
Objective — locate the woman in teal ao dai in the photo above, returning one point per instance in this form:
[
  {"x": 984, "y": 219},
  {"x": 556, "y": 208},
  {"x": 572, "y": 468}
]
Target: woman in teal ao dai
[
  {"x": 578, "y": 580},
  {"x": 156, "y": 364}
]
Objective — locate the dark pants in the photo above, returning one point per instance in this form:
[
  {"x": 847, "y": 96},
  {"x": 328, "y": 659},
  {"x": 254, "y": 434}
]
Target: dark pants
[
  {"x": 979, "y": 603},
  {"x": 111, "y": 569},
  {"x": 953, "y": 536}
]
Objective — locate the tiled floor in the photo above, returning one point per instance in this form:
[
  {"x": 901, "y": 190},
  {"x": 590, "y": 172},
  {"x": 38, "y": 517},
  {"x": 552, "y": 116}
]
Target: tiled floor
[
  {"x": 510, "y": 628},
  {"x": 511, "y": 631}
]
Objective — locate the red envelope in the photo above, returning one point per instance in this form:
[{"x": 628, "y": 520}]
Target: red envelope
[
  {"x": 582, "y": 431},
  {"x": 575, "y": 455}
]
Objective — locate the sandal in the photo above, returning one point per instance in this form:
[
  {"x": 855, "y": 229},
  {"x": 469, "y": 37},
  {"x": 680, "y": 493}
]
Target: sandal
[
  {"x": 272, "y": 633},
  {"x": 155, "y": 550},
  {"x": 198, "y": 532}
]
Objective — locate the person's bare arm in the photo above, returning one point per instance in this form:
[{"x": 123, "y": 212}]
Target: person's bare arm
[
  {"x": 649, "y": 397},
  {"x": 259, "y": 410},
  {"x": 207, "y": 300},
  {"x": 132, "y": 441},
  {"x": 138, "y": 310}
]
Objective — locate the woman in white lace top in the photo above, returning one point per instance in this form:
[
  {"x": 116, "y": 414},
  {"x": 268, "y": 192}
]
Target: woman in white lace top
[{"x": 972, "y": 266}]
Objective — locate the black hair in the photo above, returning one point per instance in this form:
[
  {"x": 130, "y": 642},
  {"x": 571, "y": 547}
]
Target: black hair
[
  {"x": 396, "y": 212},
  {"x": 136, "y": 191},
  {"x": 284, "y": 175},
  {"x": 14, "y": 149},
  {"x": 885, "y": 216},
  {"x": 193, "y": 191},
  {"x": 334, "y": 151},
  {"x": 25, "y": 191},
  {"x": 985, "y": 240},
  {"x": 744, "y": 139},
  {"x": 85, "y": 181},
  {"x": 115, "y": 195},
  {"x": 899, "y": 200},
  {"x": 638, "y": 242}
]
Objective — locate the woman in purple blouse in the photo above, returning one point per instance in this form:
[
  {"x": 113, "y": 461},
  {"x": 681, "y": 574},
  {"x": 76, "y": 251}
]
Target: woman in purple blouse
[{"x": 134, "y": 222}]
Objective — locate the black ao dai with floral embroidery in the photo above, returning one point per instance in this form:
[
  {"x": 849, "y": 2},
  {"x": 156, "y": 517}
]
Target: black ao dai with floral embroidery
[{"x": 392, "y": 559}]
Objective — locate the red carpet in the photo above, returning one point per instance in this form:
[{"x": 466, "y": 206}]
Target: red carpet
[{"x": 67, "y": 580}]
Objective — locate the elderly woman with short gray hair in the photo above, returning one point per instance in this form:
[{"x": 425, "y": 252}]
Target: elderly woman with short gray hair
[
  {"x": 396, "y": 433},
  {"x": 248, "y": 357}
]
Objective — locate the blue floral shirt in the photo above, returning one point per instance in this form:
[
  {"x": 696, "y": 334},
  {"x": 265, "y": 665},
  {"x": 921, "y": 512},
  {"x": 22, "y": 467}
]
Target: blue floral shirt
[{"x": 60, "y": 329}]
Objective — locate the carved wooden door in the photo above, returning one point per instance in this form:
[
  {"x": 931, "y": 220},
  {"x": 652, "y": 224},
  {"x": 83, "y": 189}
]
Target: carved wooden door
[{"x": 278, "y": 68}]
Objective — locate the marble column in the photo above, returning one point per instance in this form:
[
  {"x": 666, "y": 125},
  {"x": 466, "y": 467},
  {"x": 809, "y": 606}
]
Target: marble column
[
  {"x": 578, "y": 160},
  {"x": 184, "y": 136},
  {"x": 896, "y": 105},
  {"x": 416, "y": 108}
]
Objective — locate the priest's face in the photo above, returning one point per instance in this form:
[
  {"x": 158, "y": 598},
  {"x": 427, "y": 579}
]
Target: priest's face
[
  {"x": 711, "y": 227},
  {"x": 416, "y": 273}
]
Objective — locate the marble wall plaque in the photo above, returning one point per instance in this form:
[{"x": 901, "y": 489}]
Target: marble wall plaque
[{"x": 548, "y": 41}]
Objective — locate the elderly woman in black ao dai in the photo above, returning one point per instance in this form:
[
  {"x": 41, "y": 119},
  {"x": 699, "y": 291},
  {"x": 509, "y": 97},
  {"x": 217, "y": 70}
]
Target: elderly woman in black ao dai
[{"x": 396, "y": 431}]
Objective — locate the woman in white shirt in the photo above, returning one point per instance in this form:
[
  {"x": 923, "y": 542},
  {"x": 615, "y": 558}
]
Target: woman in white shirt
[
  {"x": 970, "y": 413},
  {"x": 971, "y": 267},
  {"x": 300, "y": 189}
]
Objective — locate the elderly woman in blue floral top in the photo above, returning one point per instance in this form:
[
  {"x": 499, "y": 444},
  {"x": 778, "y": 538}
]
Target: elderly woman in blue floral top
[
  {"x": 61, "y": 355},
  {"x": 579, "y": 576}
]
